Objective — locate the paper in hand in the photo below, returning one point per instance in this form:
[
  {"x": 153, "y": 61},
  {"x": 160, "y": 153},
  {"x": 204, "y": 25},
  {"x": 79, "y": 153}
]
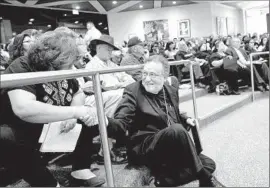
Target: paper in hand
[{"x": 54, "y": 141}]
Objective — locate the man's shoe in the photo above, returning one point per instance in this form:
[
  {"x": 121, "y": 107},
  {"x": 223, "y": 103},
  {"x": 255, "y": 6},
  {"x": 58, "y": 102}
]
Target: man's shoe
[
  {"x": 212, "y": 182},
  {"x": 118, "y": 157},
  {"x": 260, "y": 88},
  {"x": 266, "y": 87},
  {"x": 92, "y": 182}
]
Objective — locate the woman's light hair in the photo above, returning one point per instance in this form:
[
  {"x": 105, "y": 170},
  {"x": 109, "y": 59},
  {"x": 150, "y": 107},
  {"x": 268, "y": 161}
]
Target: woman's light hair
[
  {"x": 163, "y": 61},
  {"x": 54, "y": 50}
]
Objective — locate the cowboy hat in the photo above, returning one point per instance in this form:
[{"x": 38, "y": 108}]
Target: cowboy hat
[{"x": 104, "y": 39}]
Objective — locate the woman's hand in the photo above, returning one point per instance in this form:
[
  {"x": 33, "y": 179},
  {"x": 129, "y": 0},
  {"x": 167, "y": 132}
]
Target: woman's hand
[
  {"x": 88, "y": 115},
  {"x": 67, "y": 125},
  {"x": 91, "y": 118}
]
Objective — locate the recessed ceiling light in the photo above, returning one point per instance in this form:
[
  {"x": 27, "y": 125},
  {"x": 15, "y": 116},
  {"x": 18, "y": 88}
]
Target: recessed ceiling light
[
  {"x": 100, "y": 23},
  {"x": 65, "y": 14},
  {"x": 31, "y": 19},
  {"x": 141, "y": 6},
  {"x": 114, "y": 2},
  {"x": 174, "y": 2},
  {"x": 49, "y": 26},
  {"x": 76, "y": 22},
  {"x": 30, "y": 23},
  {"x": 14, "y": 33},
  {"x": 40, "y": 30},
  {"x": 106, "y": 28},
  {"x": 1, "y": 18},
  {"x": 77, "y": 7}
]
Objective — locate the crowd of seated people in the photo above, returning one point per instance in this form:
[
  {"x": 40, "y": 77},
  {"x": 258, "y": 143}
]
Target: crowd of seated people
[
  {"x": 202, "y": 52},
  {"x": 214, "y": 60}
]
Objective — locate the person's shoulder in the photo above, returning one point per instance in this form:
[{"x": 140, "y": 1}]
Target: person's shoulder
[
  {"x": 93, "y": 63},
  {"x": 173, "y": 91},
  {"x": 133, "y": 88},
  {"x": 127, "y": 56},
  {"x": 19, "y": 65},
  {"x": 229, "y": 49},
  {"x": 127, "y": 59}
]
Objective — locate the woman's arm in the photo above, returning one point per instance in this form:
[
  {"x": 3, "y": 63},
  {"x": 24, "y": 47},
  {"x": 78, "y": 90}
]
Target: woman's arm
[
  {"x": 78, "y": 98},
  {"x": 27, "y": 108}
]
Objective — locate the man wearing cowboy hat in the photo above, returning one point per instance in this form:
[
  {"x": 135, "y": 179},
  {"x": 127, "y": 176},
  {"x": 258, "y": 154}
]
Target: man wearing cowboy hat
[
  {"x": 104, "y": 47},
  {"x": 112, "y": 83}
]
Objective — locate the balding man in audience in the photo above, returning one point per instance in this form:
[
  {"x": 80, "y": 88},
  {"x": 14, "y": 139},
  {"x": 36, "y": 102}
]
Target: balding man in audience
[
  {"x": 134, "y": 56},
  {"x": 242, "y": 65}
]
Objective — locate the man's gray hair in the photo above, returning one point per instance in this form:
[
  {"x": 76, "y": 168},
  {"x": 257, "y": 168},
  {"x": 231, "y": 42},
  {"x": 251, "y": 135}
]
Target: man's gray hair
[{"x": 163, "y": 61}]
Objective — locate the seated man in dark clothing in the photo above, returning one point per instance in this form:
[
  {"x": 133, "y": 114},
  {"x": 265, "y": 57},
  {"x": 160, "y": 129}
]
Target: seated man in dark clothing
[
  {"x": 217, "y": 60},
  {"x": 259, "y": 62},
  {"x": 158, "y": 132},
  {"x": 202, "y": 71},
  {"x": 242, "y": 65}
]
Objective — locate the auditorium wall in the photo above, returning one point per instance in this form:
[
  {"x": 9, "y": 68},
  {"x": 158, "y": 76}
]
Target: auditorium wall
[
  {"x": 202, "y": 18},
  {"x": 123, "y": 24},
  {"x": 224, "y": 11}
]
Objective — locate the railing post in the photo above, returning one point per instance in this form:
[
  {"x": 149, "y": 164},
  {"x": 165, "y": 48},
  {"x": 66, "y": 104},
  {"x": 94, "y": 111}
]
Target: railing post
[
  {"x": 103, "y": 130},
  {"x": 195, "y": 130},
  {"x": 252, "y": 77}
]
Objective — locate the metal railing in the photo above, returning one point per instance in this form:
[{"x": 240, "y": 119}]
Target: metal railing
[
  {"x": 252, "y": 73},
  {"x": 21, "y": 79}
]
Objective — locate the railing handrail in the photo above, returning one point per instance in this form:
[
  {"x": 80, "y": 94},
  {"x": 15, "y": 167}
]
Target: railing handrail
[
  {"x": 258, "y": 53},
  {"x": 12, "y": 80},
  {"x": 31, "y": 78}
]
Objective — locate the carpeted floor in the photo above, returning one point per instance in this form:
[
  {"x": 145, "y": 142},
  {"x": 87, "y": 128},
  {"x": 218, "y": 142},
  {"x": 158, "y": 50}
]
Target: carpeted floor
[{"x": 239, "y": 143}]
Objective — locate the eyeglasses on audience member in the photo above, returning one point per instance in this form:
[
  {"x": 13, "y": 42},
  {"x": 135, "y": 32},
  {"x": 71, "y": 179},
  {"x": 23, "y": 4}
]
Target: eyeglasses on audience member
[{"x": 152, "y": 75}]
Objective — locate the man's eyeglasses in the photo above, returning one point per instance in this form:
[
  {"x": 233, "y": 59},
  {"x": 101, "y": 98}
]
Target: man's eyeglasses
[{"x": 150, "y": 74}]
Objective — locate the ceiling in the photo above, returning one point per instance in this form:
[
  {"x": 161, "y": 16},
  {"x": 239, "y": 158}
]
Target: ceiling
[
  {"x": 107, "y": 6},
  {"x": 53, "y": 12}
]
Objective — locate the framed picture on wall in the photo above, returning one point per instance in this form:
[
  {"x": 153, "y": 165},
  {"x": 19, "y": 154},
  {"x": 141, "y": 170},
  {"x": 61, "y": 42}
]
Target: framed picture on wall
[
  {"x": 156, "y": 30},
  {"x": 221, "y": 26},
  {"x": 183, "y": 28},
  {"x": 231, "y": 26}
]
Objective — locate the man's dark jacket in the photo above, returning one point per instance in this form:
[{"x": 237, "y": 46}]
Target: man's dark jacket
[
  {"x": 138, "y": 114},
  {"x": 233, "y": 63}
]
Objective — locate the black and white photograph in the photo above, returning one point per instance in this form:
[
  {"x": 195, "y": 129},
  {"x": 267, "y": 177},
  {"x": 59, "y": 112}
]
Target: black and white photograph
[
  {"x": 184, "y": 28},
  {"x": 125, "y": 93}
]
